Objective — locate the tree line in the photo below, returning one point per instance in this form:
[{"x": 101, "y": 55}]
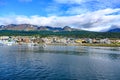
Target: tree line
[{"x": 74, "y": 34}]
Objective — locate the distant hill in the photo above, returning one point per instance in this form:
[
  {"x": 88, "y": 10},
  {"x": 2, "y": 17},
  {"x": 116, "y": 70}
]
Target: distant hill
[
  {"x": 20, "y": 27},
  {"x": 49, "y": 28},
  {"x": 31, "y": 30},
  {"x": 1, "y": 27},
  {"x": 75, "y": 34},
  {"x": 114, "y": 30},
  {"x": 29, "y": 27}
]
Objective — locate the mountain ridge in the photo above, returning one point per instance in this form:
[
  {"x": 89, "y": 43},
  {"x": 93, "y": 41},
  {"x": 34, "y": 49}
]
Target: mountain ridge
[
  {"x": 30, "y": 27},
  {"x": 114, "y": 30}
]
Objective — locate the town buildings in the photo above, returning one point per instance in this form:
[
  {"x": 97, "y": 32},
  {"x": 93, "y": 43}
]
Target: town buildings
[{"x": 55, "y": 39}]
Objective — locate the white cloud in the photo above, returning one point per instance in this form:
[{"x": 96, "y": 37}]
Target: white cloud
[
  {"x": 76, "y": 10},
  {"x": 77, "y": 6},
  {"x": 69, "y": 1},
  {"x": 106, "y": 3},
  {"x": 93, "y": 21}
]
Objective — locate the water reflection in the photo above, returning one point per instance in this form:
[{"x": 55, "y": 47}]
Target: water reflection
[
  {"x": 110, "y": 52},
  {"x": 51, "y": 49},
  {"x": 59, "y": 63}
]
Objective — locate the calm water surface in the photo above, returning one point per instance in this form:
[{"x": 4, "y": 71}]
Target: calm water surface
[{"x": 59, "y": 63}]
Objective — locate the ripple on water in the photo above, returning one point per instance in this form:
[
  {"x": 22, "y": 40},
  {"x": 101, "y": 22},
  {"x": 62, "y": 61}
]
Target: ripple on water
[{"x": 59, "y": 63}]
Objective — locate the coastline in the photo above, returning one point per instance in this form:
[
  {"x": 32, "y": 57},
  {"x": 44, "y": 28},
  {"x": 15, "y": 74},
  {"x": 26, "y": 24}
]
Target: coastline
[
  {"x": 86, "y": 44},
  {"x": 102, "y": 45},
  {"x": 55, "y": 40}
]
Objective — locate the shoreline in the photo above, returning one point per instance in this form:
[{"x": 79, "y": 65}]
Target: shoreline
[
  {"x": 86, "y": 44},
  {"x": 70, "y": 44},
  {"x": 102, "y": 45}
]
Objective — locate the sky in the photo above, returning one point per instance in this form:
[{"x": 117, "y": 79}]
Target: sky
[{"x": 92, "y": 15}]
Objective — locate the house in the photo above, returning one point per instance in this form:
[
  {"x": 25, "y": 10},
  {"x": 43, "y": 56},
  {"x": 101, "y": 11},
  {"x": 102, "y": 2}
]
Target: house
[
  {"x": 78, "y": 41},
  {"x": 105, "y": 41}
]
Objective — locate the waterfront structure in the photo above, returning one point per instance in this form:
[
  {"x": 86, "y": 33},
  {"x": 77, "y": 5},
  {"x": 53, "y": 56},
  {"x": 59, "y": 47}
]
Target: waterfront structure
[{"x": 54, "y": 40}]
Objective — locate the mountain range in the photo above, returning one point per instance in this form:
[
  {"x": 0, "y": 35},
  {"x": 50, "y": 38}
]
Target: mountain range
[
  {"x": 114, "y": 28},
  {"x": 29, "y": 27}
]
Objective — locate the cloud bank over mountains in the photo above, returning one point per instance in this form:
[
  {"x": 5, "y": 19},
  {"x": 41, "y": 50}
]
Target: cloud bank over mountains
[
  {"x": 93, "y": 15},
  {"x": 94, "y": 21}
]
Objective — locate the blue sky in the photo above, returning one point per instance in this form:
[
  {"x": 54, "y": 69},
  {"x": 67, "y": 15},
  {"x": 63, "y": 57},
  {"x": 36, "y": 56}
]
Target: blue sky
[{"x": 93, "y": 15}]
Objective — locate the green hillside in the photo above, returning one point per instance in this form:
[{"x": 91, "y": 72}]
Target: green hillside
[{"x": 76, "y": 34}]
